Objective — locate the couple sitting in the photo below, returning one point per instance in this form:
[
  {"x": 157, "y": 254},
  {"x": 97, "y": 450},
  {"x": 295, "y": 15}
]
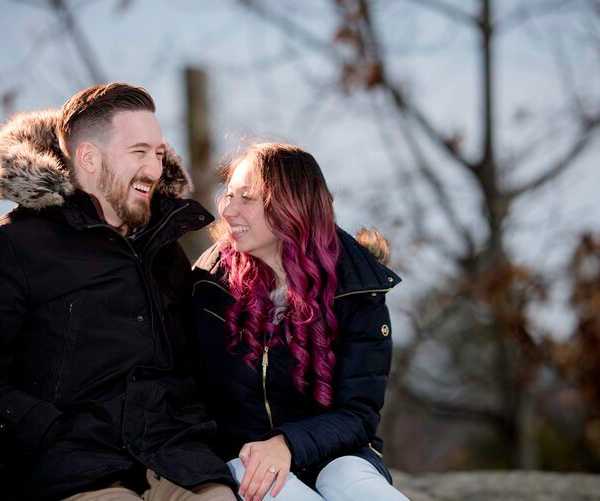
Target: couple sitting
[{"x": 124, "y": 374}]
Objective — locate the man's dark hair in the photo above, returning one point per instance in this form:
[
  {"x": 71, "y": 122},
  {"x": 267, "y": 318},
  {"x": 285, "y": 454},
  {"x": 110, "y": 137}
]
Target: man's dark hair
[{"x": 90, "y": 112}]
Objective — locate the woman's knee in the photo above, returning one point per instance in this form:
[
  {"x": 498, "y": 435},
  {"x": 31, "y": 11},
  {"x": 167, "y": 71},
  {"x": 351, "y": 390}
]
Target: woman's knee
[
  {"x": 352, "y": 477},
  {"x": 346, "y": 470}
]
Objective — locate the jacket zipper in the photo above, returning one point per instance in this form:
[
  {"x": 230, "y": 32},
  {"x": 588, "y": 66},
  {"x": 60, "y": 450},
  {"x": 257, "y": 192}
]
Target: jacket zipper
[
  {"x": 265, "y": 364},
  {"x": 372, "y": 291},
  {"x": 64, "y": 350}
]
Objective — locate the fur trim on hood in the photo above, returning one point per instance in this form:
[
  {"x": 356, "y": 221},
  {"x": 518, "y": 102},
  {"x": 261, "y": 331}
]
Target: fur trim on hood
[
  {"x": 33, "y": 173},
  {"x": 375, "y": 243}
]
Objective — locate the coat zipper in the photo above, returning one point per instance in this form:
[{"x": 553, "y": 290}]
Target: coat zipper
[
  {"x": 372, "y": 291},
  {"x": 64, "y": 350},
  {"x": 265, "y": 364}
]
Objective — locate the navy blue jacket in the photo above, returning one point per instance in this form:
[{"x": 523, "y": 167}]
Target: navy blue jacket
[{"x": 245, "y": 411}]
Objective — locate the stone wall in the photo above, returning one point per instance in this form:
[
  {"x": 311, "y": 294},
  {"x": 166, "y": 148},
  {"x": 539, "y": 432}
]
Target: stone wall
[{"x": 496, "y": 486}]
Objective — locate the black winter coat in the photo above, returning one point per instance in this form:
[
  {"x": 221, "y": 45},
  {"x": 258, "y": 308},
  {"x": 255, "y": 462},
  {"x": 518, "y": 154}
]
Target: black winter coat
[
  {"x": 251, "y": 404},
  {"x": 95, "y": 378}
]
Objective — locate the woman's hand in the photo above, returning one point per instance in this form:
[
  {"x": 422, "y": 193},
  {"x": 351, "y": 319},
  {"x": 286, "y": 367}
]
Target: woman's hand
[{"x": 264, "y": 462}]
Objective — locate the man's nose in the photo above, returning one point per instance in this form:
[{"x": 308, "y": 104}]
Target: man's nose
[{"x": 154, "y": 168}]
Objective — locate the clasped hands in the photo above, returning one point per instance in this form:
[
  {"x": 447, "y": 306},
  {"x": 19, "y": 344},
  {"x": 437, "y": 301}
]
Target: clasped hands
[{"x": 265, "y": 462}]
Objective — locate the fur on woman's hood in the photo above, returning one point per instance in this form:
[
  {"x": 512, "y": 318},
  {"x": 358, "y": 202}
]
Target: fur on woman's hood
[{"x": 33, "y": 172}]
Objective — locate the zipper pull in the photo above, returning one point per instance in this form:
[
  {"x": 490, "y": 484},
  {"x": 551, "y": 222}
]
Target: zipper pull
[{"x": 265, "y": 357}]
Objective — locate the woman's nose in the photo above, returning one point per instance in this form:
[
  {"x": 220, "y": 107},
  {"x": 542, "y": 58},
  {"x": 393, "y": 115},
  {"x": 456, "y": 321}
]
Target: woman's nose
[{"x": 230, "y": 208}]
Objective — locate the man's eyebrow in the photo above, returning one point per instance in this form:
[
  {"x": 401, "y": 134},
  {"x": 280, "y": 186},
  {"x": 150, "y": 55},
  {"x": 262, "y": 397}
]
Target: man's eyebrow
[{"x": 147, "y": 146}]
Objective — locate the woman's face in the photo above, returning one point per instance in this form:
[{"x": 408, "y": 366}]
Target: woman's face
[{"x": 245, "y": 216}]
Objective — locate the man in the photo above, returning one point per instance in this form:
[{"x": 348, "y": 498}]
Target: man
[{"x": 96, "y": 397}]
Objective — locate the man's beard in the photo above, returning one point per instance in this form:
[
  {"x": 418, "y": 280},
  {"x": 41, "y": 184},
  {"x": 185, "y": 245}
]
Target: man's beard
[{"x": 134, "y": 214}]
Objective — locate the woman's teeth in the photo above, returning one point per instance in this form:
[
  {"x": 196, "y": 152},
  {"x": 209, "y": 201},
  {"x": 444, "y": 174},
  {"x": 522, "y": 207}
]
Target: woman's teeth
[{"x": 239, "y": 229}]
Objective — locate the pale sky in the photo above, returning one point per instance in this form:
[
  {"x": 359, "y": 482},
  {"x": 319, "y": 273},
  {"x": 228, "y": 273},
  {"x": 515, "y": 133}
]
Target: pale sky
[{"x": 261, "y": 83}]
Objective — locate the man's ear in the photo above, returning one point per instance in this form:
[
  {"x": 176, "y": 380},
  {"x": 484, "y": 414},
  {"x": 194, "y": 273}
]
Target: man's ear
[{"x": 88, "y": 157}]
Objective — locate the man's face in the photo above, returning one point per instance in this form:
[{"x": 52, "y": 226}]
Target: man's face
[{"x": 131, "y": 167}]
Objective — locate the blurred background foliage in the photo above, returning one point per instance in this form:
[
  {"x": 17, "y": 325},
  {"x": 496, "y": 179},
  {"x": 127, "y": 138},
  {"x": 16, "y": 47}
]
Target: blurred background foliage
[{"x": 466, "y": 130}]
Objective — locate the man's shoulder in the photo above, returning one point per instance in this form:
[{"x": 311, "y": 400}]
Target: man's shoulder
[
  {"x": 14, "y": 219},
  {"x": 27, "y": 227},
  {"x": 21, "y": 215}
]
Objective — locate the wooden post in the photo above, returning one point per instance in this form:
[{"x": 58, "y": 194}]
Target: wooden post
[{"x": 199, "y": 144}]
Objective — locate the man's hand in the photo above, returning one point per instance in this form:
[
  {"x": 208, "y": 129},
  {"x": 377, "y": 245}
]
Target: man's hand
[{"x": 265, "y": 462}]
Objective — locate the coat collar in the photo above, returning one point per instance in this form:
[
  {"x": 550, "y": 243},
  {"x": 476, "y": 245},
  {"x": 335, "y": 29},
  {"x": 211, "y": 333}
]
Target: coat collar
[
  {"x": 358, "y": 270},
  {"x": 33, "y": 172}
]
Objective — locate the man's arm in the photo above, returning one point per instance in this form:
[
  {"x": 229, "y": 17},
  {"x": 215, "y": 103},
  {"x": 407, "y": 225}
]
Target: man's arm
[{"x": 24, "y": 418}]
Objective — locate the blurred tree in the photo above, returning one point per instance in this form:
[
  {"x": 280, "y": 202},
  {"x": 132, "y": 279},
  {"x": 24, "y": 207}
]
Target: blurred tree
[
  {"x": 478, "y": 367},
  {"x": 477, "y": 353}
]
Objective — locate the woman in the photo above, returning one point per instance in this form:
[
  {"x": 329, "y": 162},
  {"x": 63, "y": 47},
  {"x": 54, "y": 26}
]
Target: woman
[{"x": 295, "y": 334}]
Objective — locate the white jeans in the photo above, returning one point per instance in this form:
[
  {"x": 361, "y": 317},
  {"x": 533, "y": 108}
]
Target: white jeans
[{"x": 348, "y": 478}]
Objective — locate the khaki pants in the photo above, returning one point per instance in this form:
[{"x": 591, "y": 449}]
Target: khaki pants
[{"x": 160, "y": 490}]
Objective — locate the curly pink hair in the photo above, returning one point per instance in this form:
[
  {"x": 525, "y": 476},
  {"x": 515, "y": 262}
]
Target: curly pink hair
[{"x": 299, "y": 211}]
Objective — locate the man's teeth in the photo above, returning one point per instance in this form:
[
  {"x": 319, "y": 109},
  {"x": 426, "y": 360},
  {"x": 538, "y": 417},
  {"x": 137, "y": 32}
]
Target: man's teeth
[
  {"x": 141, "y": 187},
  {"x": 239, "y": 229}
]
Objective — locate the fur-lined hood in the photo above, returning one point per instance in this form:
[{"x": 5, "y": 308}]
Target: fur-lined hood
[{"x": 33, "y": 173}]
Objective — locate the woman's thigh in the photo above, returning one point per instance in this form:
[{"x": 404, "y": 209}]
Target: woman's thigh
[
  {"x": 293, "y": 490},
  {"x": 350, "y": 478}
]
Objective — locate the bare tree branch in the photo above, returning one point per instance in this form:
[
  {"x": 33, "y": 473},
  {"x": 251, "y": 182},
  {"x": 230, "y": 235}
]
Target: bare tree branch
[
  {"x": 447, "y": 10},
  {"x": 415, "y": 208},
  {"x": 292, "y": 28},
  {"x": 527, "y": 11},
  {"x": 585, "y": 137},
  {"x": 442, "y": 141},
  {"x": 80, "y": 42},
  {"x": 437, "y": 186}
]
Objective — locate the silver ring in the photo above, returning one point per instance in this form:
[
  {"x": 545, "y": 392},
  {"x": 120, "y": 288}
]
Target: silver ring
[{"x": 272, "y": 470}]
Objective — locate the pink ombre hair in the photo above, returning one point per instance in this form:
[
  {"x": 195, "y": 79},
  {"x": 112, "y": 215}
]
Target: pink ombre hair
[{"x": 299, "y": 211}]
